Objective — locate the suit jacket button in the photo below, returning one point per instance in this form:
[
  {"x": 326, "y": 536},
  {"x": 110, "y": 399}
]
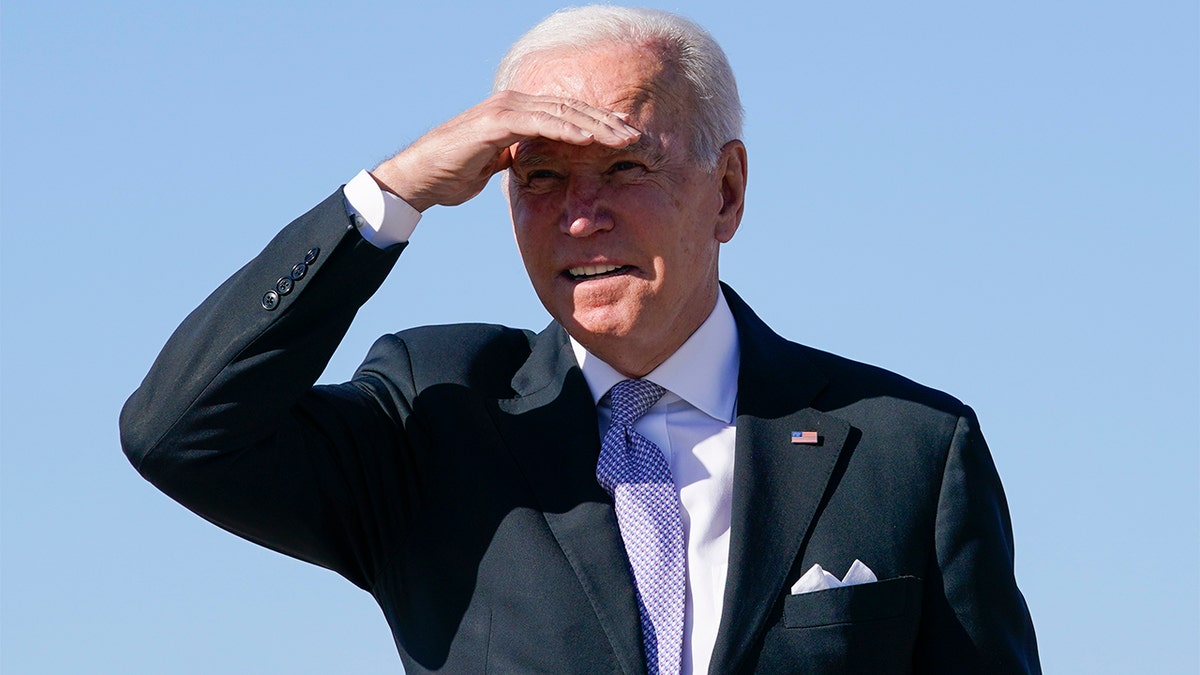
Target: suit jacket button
[
  {"x": 310, "y": 256},
  {"x": 270, "y": 300},
  {"x": 284, "y": 285},
  {"x": 298, "y": 271}
]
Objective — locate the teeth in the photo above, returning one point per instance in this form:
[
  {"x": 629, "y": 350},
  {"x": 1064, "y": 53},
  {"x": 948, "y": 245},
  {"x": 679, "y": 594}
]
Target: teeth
[{"x": 592, "y": 270}]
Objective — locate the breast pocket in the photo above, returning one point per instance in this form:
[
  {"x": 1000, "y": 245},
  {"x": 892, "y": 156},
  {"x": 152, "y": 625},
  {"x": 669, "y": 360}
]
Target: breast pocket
[{"x": 878, "y": 601}]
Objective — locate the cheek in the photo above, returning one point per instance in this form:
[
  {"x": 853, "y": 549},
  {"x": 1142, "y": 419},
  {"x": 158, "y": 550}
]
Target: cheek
[
  {"x": 540, "y": 258},
  {"x": 527, "y": 247},
  {"x": 527, "y": 227},
  {"x": 533, "y": 213}
]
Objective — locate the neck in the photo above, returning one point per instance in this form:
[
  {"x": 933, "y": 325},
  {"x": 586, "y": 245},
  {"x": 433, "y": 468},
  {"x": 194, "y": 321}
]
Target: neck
[{"x": 636, "y": 355}]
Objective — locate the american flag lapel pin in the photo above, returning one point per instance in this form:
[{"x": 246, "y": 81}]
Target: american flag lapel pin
[{"x": 805, "y": 438}]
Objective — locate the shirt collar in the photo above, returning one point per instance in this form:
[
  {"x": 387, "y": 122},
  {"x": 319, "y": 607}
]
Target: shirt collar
[{"x": 703, "y": 371}]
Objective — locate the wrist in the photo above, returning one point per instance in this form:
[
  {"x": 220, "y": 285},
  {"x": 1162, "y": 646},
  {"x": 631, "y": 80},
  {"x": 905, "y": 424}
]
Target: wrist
[{"x": 396, "y": 180}]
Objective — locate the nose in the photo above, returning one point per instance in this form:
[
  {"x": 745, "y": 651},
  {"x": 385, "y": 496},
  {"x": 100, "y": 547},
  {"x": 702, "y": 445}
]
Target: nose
[{"x": 584, "y": 213}]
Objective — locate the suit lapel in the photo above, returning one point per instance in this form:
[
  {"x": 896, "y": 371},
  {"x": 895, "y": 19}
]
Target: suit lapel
[
  {"x": 777, "y": 486},
  {"x": 551, "y": 428}
]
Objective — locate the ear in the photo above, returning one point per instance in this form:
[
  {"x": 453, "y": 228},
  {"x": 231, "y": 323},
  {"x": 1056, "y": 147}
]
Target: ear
[{"x": 731, "y": 172}]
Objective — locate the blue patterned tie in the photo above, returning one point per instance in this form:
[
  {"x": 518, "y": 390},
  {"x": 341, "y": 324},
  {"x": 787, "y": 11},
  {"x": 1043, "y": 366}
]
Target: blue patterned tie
[{"x": 634, "y": 471}]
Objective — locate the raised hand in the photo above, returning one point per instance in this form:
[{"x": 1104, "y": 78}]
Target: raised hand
[{"x": 453, "y": 163}]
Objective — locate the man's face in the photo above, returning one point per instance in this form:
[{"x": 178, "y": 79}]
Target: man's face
[{"x": 621, "y": 245}]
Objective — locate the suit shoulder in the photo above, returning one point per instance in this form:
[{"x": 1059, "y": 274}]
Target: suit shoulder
[
  {"x": 482, "y": 357},
  {"x": 836, "y": 381},
  {"x": 850, "y": 380}
]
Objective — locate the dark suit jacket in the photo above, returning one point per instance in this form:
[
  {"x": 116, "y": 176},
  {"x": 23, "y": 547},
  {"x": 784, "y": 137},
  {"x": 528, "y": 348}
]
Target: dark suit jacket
[{"x": 453, "y": 478}]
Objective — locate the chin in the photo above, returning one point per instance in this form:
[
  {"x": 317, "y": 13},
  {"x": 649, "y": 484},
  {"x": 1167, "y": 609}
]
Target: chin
[
  {"x": 599, "y": 331},
  {"x": 598, "y": 324}
]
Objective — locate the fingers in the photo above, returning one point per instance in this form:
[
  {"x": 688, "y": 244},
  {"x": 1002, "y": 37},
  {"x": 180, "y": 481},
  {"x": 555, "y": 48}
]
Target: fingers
[
  {"x": 560, "y": 119},
  {"x": 453, "y": 163}
]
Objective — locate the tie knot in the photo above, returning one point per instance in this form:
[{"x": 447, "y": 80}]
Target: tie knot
[{"x": 630, "y": 399}]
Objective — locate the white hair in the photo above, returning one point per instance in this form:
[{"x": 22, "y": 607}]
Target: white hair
[{"x": 717, "y": 109}]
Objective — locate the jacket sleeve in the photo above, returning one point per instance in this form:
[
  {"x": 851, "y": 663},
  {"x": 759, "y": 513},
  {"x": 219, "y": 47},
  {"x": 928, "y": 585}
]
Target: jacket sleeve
[
  {"x": 228, "y": 422},
  {"x": 975, "y": 618}
]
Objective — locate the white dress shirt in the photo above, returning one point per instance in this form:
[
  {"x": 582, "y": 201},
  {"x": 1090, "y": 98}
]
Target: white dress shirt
[
  {"x": 382, "y": 218},
  {"x": 693, "y": 424}
]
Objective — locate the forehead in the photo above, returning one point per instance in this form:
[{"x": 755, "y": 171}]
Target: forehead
[{"x": 620, "y": 77}]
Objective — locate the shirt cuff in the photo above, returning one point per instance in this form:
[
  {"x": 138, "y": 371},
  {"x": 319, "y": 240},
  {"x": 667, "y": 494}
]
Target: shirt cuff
[{"x": 381, "y": 217}]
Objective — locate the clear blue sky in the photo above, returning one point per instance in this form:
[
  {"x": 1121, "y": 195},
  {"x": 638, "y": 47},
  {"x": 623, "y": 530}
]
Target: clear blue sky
[{"x": 995, "y": 199}]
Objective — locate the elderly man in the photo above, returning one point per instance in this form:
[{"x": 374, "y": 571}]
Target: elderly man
[{"x": 654, "y": 483}]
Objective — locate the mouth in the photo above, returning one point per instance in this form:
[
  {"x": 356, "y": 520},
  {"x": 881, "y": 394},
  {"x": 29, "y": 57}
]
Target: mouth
[{"x": 589, "y": 272}]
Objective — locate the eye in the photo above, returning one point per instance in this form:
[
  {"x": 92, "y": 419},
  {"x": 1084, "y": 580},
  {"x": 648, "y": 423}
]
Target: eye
[
  {"x": 626, "y": 165},
  {"x": 540, "y": 174},
  {"x": 538, "y": 180}
]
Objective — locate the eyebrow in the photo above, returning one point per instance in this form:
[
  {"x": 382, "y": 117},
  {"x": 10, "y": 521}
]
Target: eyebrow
[
  {"x": 530, "y": 157},
  {"x": 644, "y": 147}
]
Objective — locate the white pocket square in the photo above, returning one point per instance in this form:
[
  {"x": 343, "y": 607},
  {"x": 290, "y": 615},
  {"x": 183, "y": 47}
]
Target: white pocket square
[{"x": 817, "y": 579}]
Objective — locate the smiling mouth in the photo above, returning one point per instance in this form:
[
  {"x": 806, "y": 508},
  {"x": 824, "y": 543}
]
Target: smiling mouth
[{"x": 588, "y": 272}]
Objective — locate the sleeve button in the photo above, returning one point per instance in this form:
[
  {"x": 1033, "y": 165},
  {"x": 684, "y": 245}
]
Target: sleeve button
[
  {"x": 310, "y": 256},
  {"x": 298, "y": 271},
  {"x": 284, "y": 285},
  {"x": 270, "y": 300}
]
